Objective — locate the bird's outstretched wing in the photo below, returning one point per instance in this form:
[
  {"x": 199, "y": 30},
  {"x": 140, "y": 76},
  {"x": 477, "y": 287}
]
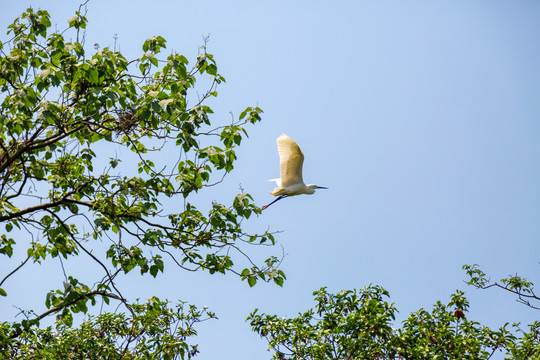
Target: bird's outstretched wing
[{"x": 291, "y": 160}]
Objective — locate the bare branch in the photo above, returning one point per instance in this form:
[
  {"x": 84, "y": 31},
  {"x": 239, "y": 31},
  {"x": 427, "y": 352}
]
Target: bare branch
[{"x": 15, "y": 270}]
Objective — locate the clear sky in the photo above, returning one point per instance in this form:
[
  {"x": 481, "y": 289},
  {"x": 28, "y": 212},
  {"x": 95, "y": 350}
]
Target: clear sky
[{"x": 422, "y": 117}]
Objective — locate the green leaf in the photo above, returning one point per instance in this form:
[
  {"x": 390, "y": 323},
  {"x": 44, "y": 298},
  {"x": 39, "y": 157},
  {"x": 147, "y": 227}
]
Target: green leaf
[{"x": 94, "y": 76}]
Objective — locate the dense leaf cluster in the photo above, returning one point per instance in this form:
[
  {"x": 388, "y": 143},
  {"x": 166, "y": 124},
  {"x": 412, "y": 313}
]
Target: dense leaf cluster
[
  {"x": 154, "y": 330},
  {"x": 357, "y": 324}
]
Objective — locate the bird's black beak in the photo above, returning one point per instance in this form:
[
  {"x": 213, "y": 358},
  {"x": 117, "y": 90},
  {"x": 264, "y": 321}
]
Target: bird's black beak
[{"x": 321, "y": 187}]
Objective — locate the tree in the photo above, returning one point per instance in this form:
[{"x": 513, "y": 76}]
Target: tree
[
  {"x": 66, "y": 194},
  {"x": 357, "y": 324}
]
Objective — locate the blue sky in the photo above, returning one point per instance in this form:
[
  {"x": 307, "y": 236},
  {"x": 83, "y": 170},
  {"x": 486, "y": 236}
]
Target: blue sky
[{"x": 422, "y": 118}]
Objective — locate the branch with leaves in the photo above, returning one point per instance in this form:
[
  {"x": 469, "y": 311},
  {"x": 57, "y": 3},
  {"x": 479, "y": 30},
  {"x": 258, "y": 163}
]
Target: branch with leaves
[{"x": 514, "y": 284}]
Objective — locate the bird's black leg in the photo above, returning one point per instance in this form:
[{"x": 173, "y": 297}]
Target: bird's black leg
[{"x": 279, "y": 198}]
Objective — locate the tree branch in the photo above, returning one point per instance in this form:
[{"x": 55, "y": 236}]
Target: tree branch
[
  {"x": 15, "y": 270},
  {"x": 65, "y": 305}
]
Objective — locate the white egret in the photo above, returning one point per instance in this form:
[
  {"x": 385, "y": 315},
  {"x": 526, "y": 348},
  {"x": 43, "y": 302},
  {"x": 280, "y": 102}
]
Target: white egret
[{"x": 290, "y": 182}]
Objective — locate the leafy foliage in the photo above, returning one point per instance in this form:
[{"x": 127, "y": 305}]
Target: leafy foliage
[
  {"x": 347, "y": 324},
  {"x": 515, "y": 284},
  {"x": 153, "y": 331},
  {"x": 358, "y": 325},
  {"x": 82, "y": 173}
]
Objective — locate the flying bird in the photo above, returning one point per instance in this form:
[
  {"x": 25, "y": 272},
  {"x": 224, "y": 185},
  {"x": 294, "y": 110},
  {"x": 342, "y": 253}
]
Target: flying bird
[{"x": 290, "y": 182}]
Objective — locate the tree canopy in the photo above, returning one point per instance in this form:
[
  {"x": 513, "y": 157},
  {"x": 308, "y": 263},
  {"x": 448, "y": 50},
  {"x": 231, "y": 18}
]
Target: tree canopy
[
  {"x": 358, "y": 324},
  {"x": 82, "y": 177}
]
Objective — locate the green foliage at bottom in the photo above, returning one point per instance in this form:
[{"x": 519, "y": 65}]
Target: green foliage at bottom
[
  {"x": 152, "y": 331},
  {"x": 358, "y": 324}
]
